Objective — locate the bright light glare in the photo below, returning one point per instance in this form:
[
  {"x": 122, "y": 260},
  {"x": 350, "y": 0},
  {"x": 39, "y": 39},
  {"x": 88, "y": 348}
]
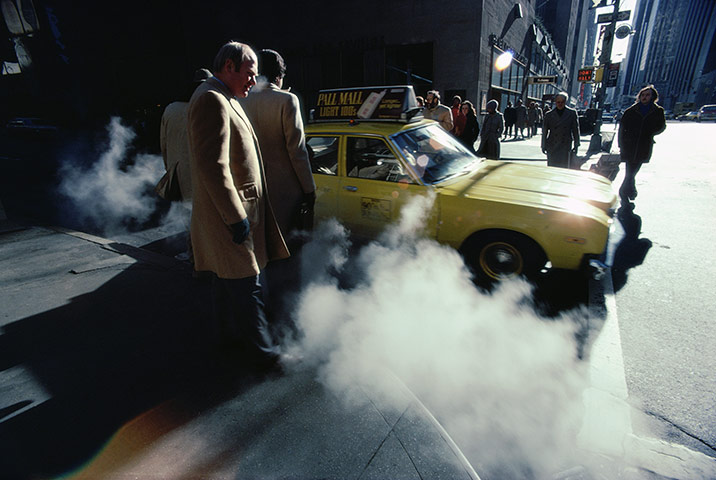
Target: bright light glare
[{"x": 503, "y": 61}]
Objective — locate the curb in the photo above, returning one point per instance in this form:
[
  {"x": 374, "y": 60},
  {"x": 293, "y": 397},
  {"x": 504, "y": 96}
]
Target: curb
[
  {"x": 140, "y": 254},
  {"x": 607, "y": 426}
]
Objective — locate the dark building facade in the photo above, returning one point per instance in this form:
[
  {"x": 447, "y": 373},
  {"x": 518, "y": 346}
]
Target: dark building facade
[
  {"x": 87, "y": 59},
  {"x": 562, "y": 18},
  {"x": 675, "y": 50}
]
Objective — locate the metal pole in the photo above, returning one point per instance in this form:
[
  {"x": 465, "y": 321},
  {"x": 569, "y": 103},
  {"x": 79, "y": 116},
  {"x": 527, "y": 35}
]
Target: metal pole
[{"x": 605, "y": 60}]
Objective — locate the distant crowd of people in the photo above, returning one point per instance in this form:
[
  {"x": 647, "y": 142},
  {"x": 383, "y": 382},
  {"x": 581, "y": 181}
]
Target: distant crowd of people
[{"x": 517, "y": 122}]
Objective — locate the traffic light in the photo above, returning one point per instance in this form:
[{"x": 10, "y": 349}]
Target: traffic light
[{"x": 585, "y": 74}]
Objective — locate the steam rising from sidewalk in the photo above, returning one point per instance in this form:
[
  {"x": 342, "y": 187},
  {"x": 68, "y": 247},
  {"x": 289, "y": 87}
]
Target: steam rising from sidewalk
[
  {"x": 115, "y": 192},
  {"x": 504, "y": 382}
]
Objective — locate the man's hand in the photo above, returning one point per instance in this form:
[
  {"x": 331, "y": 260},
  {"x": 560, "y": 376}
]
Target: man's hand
[
  {"x": 575, "y": 149},
  {"x": 308, "y": 201},
  {"x": 305, "y": 211},
  {"x": 241, "y": 231}
]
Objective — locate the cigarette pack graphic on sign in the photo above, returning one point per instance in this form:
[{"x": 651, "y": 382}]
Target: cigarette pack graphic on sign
[{"x": 366, "y": 110}]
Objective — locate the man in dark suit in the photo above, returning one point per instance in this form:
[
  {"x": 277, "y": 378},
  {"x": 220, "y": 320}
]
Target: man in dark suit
[
  {"x": 233, "y": 229},
  {"x": 560, "y": 134}
]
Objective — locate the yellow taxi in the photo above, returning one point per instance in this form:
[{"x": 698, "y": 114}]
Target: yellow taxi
[{"x": 372, "y": 152}]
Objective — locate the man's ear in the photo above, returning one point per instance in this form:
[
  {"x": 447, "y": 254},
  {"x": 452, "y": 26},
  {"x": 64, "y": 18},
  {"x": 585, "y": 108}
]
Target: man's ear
[{"x": 229, "y": 65}]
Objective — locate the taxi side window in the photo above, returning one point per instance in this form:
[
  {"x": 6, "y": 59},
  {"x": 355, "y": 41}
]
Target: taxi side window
[
  {"x": 323, "y": 154},
  {"x": 372, "y": 159}
]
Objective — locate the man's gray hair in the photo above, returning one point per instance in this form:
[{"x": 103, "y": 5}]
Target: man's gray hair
[
  {"x": 234, "y": 51},
  {"x": 563, "y": 95}
]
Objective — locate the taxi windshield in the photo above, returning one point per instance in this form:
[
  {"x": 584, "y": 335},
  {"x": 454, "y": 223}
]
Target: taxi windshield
[{"x": 434, "y": 154}]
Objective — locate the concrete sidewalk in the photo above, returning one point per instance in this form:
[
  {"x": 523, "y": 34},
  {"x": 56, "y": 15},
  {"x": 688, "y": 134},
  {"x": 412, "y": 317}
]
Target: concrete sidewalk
[{"x": 105, "y": 372}]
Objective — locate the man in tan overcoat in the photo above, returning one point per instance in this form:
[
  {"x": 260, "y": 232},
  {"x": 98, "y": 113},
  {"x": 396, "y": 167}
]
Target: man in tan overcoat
[
  {"x": 174, "y": 143},
  {"x": 276, "y": 117},
  {"x": 173, "y": 139},
  {"x": 233, "y": 229}
]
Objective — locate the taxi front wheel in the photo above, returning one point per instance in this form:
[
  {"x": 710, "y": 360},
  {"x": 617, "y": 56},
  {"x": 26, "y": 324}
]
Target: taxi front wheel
[{"x": 499, "y": 255}]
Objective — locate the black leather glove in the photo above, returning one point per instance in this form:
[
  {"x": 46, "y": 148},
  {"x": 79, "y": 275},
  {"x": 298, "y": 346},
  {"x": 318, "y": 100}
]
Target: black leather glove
[
  {"x": 308, "y": 201},
  {"x": 305, "y": 211},
  {"x": 241, "y": 231}
]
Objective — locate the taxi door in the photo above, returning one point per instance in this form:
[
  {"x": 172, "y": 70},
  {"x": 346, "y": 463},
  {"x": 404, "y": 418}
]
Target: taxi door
[
  {"x": 373, "y": 186},
  {"x": 323, "y": 152}
]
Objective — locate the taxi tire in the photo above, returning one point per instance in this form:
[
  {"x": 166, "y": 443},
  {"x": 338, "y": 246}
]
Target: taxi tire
[{"x": 500, "y": 254}]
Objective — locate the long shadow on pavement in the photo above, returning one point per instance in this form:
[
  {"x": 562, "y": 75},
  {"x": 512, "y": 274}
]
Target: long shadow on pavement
[
  {"x": 632, "y": 250},
  {"x": 102, "y": 358}
]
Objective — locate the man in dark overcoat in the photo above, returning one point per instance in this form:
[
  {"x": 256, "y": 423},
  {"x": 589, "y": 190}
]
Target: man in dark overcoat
[
  {"x": 638, "y": 126},
  {"x": 560, "y": 134}
]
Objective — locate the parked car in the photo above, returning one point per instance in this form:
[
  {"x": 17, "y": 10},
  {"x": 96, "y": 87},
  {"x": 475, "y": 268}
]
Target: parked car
[
  {"x": 689, "y": 116},
  {"x": 707, "y": 113},
  {"x": 30, "y": 125},
  {"x": 371, "y": 154}
]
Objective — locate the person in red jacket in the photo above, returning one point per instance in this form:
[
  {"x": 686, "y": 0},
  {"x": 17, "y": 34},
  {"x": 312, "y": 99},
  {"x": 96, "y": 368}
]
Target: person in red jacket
[
  {"x": 458, "y": 118},
  {"x": 639, "y": 124}
]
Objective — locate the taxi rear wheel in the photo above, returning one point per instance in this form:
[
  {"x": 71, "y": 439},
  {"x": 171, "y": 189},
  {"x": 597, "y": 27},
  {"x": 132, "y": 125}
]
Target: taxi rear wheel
[{"x": 499, "y": 255}]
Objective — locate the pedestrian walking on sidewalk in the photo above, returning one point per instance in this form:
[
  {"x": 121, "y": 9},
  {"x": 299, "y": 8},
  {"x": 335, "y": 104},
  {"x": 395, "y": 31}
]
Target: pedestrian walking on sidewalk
[
  {"x": 234, "y": 232},
  {"x": 491, "y": 131},
  {"x": 520, "y": 119},
  {"x": 560, "y": 134},
  {"x": 534, "y": 114},
  {"x": 510, "y": 118},
  {"x": 471, "y": 130},
  {"x": 639, "y": 124}
]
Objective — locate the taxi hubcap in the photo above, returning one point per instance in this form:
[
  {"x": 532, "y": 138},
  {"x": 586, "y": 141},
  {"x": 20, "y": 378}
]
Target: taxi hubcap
[{"x": 501, "y": 260}]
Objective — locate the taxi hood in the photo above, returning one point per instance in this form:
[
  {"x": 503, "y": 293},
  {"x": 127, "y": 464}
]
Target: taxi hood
[{"x": 510, "y": 181}]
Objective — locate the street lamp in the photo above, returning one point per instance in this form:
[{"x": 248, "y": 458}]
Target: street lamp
[{"x": 504, "y": 60}]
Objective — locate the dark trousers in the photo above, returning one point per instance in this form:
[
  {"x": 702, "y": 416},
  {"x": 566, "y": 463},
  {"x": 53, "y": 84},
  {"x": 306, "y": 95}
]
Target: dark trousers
[
  {"x": 628, "y": 188},
  {"x": 240, "y": 320},
  {"x": 558, "y": 157},
  {"x": 283, "y": 284}
]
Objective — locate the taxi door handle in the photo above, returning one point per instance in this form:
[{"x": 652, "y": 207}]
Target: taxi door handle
[{"x": 350, "y": 188}]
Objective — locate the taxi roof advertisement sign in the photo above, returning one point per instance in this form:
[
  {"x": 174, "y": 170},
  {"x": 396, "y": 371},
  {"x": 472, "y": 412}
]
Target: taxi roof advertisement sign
[{"x": 368, "y": 103}]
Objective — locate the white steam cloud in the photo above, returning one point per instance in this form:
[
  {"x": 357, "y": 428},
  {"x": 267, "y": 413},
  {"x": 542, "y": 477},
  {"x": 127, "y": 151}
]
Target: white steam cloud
[
  {"x": 505, "y": 383},
  {"x": 116, "y": 191}
]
